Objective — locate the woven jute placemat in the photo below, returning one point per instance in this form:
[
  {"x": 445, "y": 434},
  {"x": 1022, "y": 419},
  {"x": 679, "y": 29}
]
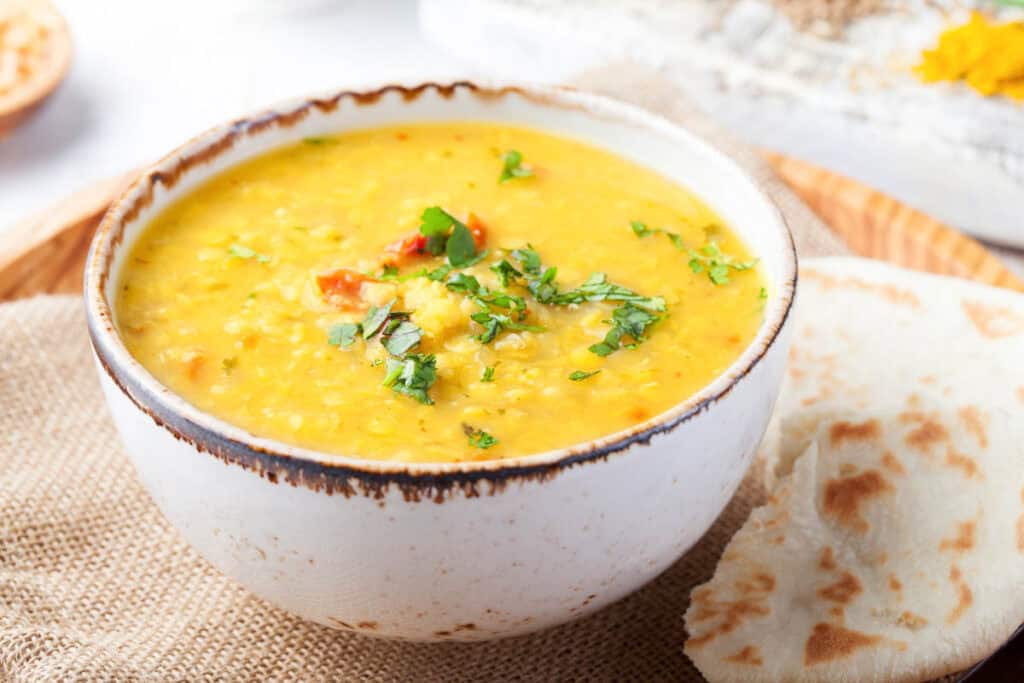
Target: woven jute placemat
[{"x": 95, "y": 585}]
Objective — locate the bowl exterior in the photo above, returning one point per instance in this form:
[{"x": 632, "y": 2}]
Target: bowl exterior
[
  {"x": 464, "y": 551},
  {"x": 507, "y": 558}
]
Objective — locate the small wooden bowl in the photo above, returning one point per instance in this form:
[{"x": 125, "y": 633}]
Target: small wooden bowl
[{"x": 16, "y": 106}]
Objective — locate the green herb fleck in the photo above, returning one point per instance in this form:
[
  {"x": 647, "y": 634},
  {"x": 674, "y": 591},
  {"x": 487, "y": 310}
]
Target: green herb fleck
[
  {"x": 488, "y": 375},
  {"x": 343, "y": 334},
  {"x": 228, "y": 364},
  {"x": 318, "y": 141},
  {"x": 506, "y": 272},
  {"x": 640, "y": 229},
  {"x": 580, "y": 375},
  {"x": 710, "y": 259},
  {"x": 375, "y": 318},
  {"x": 495, "y": 323},
  {"x": 513, "y": 167},
  {"x": 412, "y": 375},
  {"x": 458, "y": 246},
  {"x": 243, "y": 252},
  {"x": 628, "y": 320},
  {"x": 598, "y": 288},
  {"x": 529, "y": 259},
  {"x": 402, "y": 337},
  {"x": 763, "y": 294},
  {"x": 478, "y": 438}
]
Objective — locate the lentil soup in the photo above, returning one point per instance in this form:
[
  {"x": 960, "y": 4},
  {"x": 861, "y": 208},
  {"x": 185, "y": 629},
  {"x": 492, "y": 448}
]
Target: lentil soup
[{"x": 438, "y": 292}]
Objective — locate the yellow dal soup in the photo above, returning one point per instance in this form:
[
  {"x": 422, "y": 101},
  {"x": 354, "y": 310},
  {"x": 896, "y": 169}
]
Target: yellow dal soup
[{"x": 438, "y": 292}]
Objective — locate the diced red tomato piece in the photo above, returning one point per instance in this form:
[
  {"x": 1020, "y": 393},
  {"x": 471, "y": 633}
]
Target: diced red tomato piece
[
  {"x": 341, "y": 288},
  {"x": 478, "y": 230},
  {"x": 406, "y": 249}
]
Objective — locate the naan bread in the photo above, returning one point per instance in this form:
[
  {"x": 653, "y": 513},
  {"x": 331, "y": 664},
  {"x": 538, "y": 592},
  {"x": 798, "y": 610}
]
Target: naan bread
[
  {"x": 894, "y": 551},
  {"x": 868, "y": 335},
  {"x": 892, "y": 547}
]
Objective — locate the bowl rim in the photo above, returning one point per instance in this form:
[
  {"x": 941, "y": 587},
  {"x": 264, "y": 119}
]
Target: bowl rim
[{"x": 268, "y": 456}]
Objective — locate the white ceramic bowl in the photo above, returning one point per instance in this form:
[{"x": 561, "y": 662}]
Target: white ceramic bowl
[{"x": 464, "y": 551}]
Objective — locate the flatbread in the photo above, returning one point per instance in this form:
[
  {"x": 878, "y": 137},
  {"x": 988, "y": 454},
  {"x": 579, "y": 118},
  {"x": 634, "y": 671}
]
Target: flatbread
[{"x": 892, "y": 545}]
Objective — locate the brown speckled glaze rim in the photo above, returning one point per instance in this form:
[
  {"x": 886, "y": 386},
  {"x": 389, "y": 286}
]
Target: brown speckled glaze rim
[{"x": 319, "y": 471}]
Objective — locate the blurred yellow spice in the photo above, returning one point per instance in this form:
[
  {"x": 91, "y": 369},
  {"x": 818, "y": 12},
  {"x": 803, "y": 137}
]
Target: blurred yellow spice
[{"x": 987, "y": 55}]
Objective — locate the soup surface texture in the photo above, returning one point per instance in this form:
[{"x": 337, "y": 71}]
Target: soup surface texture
[{"x": 438, "y": 292}]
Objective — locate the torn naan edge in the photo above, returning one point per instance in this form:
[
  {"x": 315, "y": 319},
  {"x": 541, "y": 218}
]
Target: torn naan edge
[
  {"x": 867, "y": 335},
  {"x": 893, "y": 551}
]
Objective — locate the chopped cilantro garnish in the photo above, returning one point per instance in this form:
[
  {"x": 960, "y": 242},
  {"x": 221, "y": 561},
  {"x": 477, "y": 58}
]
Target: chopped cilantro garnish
[
  {"x": 412, "y": 375},
  {"x": 506, "y": 272},
  {"x": 641, "y": 230},
  {"x": 343, "y": 334},
  {"x": 513, "y": 167},
  {"x": 529, "y": 259},
  {"x": 461, "y": 282},
  {"x": 244, "y": 252},
  {"x": 317, "y": 141},
  {"x": 598, "y": 288},
  {"x": 229, "y": 363},
  {"x": 389, "y": 273},
  {"x": 628, "y": 320},
  {"x": 494, "y": 323},
  {"x": 580, "y": 375},
  {"x": 710, "y": 259},
  {"x": 478, "y": 438},
  {"x": 402, "y": 337},
  {"x": 439, "y": 273},
  {"x": 375, "y": 318},
  {"x": 763, "y": 294},
  {"x": 458, "y": 246},
  {"x": 488, "y": 375}
]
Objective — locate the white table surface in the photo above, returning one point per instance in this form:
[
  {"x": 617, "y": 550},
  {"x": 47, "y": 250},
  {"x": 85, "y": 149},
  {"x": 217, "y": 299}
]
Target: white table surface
[{"x": 149, "y": 75}]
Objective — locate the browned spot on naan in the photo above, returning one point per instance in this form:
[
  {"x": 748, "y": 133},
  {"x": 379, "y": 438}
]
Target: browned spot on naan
[
  {"x": 895, "y": 583},
  {"x": 960, "y": 461},
  {"x": 927, "y": 434},
  {"x": 853, "y": 431},
  {"x": 731, "y": 614},
  {"x": 761, "y": 582},
  {"x": 828, "y": 560},
  {"x": 843, "y": 591},
  {"x": 750, "y": 655},
  {"x": 1020, "y": 393},
  {"x": 844, "y": 497},
  {"x": 892, "y": 463},
  {"x": 964, "y": 540},
  {"x": 975, "y": 423},
  {"x": 914, "y": 622},
  {"x": 964, "y": 596},
  {"x": 827, "y": 643},
  {"x": 889, "y": 292},
  {"x": 993, "y": 322}
]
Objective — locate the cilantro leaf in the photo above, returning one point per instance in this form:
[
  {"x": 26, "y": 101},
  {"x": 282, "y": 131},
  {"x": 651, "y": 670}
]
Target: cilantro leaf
[
  {"x": 402, "y": 337},
  {"x": 461, "y": 248},
  {"x": 628, "y": 320},
  {"x": 439, "y": 273},
  {"x": 717, "y": 264},
  {"x": 598, "y": 288},
  {"x": 506, "y": 272},
  {"x": 640, "y": 229},
  {"x": 494, "y": 323},
  {"x": 513, "y": 167},
  {"x": 243, "y": 252},
  {"x": 478, "y": 438},
  {"x": 529, "y": 259},
  {"x": 487, "y": 375},
  {"x": 580, "y": 375},
  {"x": 376, "y": 317},
  {"x": 435, "y": 221},
  {"x": 412, "y": 375},
  {"x": 676, "y": 240},
  {"x": 343, "y": 334},
  {"x": 461, "y": 282}
]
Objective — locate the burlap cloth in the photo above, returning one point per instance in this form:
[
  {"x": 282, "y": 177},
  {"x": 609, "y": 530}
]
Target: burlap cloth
[{"x": 95, "y": 585}]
